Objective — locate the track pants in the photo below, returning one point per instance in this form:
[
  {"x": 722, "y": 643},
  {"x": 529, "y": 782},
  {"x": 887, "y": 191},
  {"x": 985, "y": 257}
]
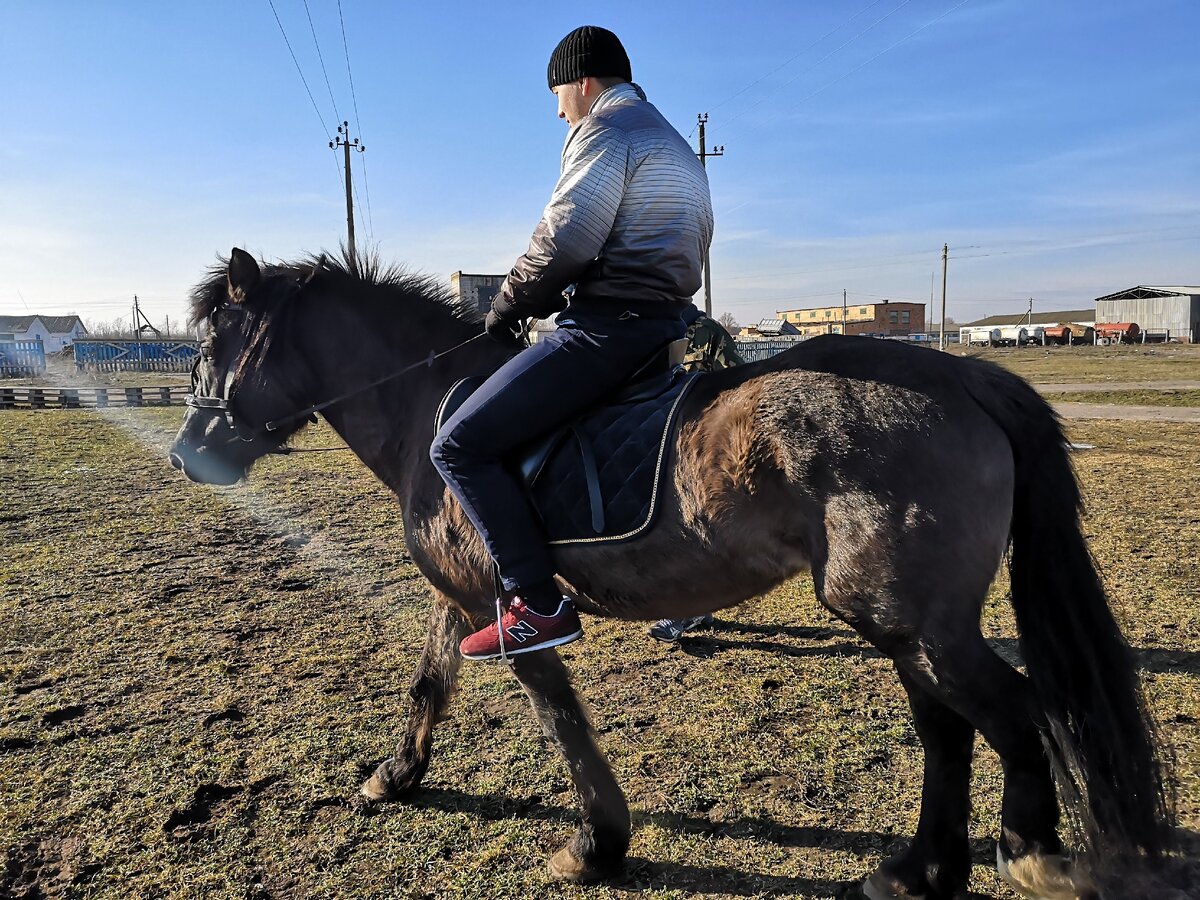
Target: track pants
[{"x": 536, "y": 391}]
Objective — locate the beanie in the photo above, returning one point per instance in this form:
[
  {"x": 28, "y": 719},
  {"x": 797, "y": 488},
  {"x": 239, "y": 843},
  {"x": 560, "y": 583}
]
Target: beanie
[{"x": 588, "y": 50}]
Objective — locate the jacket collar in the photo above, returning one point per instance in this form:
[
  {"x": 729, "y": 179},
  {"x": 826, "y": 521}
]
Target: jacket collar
[{"x": 610, "y": 96}]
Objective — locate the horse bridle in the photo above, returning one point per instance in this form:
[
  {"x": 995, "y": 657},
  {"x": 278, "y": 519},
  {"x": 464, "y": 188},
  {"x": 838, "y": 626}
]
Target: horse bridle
[
  {"x": 220, "y": 405},
  {"x": 223, "y": 405}
]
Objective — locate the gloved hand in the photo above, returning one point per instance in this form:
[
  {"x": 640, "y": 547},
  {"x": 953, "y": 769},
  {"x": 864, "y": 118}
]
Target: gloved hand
[{"x": 501, "y": 329}]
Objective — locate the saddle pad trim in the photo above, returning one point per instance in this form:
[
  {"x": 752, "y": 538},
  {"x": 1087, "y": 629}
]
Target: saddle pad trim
[{"x": 668, "y": 433}]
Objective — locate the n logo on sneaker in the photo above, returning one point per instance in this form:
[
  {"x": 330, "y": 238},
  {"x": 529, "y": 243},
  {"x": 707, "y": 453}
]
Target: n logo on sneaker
[{"x": 522, "y": 631}]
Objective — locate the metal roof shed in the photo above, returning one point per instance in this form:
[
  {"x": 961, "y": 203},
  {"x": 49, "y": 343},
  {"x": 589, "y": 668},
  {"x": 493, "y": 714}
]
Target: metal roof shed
[{"x": 1171, "y": 308}]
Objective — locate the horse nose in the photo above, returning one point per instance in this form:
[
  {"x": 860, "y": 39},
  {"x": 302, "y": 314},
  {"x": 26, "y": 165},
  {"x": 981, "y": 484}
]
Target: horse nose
[{"x": 176, "y": 461}]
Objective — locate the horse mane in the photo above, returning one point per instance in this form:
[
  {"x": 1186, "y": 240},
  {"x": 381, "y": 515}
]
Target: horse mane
[{"x": 366, "y": 275}]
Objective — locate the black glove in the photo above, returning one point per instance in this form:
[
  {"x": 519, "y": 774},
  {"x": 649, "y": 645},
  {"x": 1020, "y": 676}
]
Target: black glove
[{"x": 501, "y": 329}]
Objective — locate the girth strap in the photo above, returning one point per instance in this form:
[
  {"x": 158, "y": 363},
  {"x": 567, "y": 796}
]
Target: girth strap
[{"x": 592, "y": 474}]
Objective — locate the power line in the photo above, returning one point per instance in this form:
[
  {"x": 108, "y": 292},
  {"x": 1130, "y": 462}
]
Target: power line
[
  {"x": 908, "y": 36},
  {"x": 814, "y": 66},
  {"x": 357, "y": 121},
  {"x": 299, "y": 71},
  {"x": 322, "y": 59},
  {"x": 791, "y": 59},
  {"x": 303, "y": 80}
]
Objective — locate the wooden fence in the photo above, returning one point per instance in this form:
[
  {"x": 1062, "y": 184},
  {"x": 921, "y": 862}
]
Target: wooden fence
[
  {"x": 19, "y": 358},
  {"x": 22, "y": 397},
  {"x": 135, "y": 356}
]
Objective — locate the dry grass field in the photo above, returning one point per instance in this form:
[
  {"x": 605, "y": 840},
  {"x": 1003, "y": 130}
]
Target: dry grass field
[
  {"x": 193, "y": 682},
  {"x": 1154, "y": 362}
]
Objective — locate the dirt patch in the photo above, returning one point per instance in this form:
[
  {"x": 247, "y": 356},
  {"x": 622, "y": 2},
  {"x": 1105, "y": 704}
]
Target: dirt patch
[{"x": 1127, "y": 412}]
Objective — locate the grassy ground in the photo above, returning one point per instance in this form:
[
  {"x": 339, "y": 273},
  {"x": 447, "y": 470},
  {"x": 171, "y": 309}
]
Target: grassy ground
[
  {"x": 193, "y": 681},
  {"x": 1128, "y": 398},
  {"x": 1160, "y": 362}
]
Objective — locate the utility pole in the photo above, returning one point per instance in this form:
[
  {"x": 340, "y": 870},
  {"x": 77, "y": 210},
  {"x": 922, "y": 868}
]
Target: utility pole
[
  {"x": 343, "y": 141},
  {"x": 843, "y": 310},
  {"x": 942, "y": 324},
  {"x": 704, "y": 153}
]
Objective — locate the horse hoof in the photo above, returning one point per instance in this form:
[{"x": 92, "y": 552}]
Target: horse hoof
[
  {"x": 882, "y": 886},
  {"x": 564, "y": 866},
  {"x": 1044, "y": 876},
  {"x": 382, "y": 785}
]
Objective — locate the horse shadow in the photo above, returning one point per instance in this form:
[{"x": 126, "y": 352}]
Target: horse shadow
[
  {"x": 707, "y": 644},
  {"x": 642, "y": 874}
]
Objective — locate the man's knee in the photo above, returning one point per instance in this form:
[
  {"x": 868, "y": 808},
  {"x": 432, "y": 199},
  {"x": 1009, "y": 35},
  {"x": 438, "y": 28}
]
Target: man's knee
[{"x": 439, "y": 451}]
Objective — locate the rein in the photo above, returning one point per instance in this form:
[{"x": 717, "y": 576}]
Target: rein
[
  {"x": 223, "y": 405},
  {"x": 277, "y": 424}
]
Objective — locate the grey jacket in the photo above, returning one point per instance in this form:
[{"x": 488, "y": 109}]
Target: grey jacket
[{"x": 628, "y": 223}]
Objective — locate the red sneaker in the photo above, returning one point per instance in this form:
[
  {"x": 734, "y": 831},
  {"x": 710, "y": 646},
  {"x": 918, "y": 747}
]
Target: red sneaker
[{"x": 523, "y": 631}]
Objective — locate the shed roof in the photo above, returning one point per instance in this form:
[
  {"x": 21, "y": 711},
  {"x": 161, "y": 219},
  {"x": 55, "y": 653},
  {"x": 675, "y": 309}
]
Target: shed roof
[
  {"x": 775, "y": 326},
  {"x": 53, "y": 324},
  {"x": 1147, "y": 291},
  {"x": 1053, "y": 317}
]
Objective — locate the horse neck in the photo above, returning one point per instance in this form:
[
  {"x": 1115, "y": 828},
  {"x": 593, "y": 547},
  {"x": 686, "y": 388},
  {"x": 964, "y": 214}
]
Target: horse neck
[{"x": 390, "y": 427}]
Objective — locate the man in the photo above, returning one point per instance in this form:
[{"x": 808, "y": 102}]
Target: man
[
  {"x": 628, "y": 225},
  {"x": 710, "y": 347}
]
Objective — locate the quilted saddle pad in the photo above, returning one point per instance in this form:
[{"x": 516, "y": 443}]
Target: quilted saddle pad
[{"x": 600, "y": 477}]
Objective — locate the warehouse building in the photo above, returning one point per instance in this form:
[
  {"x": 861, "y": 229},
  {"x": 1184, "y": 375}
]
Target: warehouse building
[
  {"x": 1054, "y": 317},
  {"x": 1167, "y": 312}
]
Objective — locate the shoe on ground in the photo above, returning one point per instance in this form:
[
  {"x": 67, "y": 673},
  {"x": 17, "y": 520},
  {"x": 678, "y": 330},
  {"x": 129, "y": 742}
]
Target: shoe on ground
[
  {"x": 670, "y": 630},
  {"x": 523, "y": 631}
]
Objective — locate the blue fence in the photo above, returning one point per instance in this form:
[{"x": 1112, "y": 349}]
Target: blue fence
[
  {"x": 19, "y": 358},
  {"x": 753, "y": 351},
  {"x": 135, "y": 356}
]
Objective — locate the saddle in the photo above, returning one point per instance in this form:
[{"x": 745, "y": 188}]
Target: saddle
[{"x": 596, "y": 478}]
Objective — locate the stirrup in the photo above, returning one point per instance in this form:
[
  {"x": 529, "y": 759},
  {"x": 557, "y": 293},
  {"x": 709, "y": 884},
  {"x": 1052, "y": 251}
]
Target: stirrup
[{"x": 504, "y": 657}]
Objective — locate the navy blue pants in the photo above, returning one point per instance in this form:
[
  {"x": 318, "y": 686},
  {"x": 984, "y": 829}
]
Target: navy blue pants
[{"x": 539, "y": 389}]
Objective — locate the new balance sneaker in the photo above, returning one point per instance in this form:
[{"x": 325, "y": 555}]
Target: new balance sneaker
[
  {"x": 670, "y": 630},
  {"x": 523, "y": 631}
]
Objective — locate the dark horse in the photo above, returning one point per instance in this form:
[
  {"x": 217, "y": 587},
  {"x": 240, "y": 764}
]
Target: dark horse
[{"x": 898, "y": 475}]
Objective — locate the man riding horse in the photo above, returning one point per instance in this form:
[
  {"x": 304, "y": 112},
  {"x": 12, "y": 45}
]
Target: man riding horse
[{"x": 628, "y": 225}]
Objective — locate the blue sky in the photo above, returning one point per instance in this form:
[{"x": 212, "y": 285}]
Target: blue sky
[{"x": 1052, "y": 143}]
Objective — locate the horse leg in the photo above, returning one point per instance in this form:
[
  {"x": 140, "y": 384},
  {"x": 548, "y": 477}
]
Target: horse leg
[
  {"x": 938, "y": 862},
  {"x": 969, "y": 677},
  {"x": 597, "y": 849},
  {"x": 430, "y": 690}
]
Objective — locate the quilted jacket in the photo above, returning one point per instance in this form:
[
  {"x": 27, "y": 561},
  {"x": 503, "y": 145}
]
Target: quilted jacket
[{"x": 629, "y": 220}]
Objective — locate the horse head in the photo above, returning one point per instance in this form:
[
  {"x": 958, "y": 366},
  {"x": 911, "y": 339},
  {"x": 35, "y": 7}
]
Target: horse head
[{"x": 244, "y": 394}]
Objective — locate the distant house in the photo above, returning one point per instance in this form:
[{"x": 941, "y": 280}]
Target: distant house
[
  {"x": 476, "y": 291},
  {"x": 55, "y": 332}
]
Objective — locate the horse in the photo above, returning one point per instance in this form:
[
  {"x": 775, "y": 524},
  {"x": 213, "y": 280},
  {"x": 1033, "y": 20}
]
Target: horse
[{"x": 900, "y": 477}]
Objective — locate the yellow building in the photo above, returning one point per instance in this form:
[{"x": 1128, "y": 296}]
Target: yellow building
[{"x": 883, "y": 319}]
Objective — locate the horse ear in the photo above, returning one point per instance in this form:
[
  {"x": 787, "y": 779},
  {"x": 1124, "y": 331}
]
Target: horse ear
[{"x": 243, "y": 274}]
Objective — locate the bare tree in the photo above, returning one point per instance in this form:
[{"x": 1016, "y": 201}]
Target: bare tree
[{"x": 727, "y": 321}]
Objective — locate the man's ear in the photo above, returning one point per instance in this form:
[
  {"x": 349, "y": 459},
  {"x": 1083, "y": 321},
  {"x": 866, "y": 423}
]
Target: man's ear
[{"x": 244, "y": 274}]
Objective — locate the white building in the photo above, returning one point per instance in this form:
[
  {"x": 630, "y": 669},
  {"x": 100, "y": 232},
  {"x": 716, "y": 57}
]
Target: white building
[{"x": 55, "y": 332}]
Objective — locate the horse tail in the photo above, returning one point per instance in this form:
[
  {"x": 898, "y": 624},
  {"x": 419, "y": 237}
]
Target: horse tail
[{"x": 1097, "y": 729}]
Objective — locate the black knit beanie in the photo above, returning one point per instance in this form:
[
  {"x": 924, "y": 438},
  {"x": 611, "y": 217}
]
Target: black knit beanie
[{"x": 589, "y": 50}]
